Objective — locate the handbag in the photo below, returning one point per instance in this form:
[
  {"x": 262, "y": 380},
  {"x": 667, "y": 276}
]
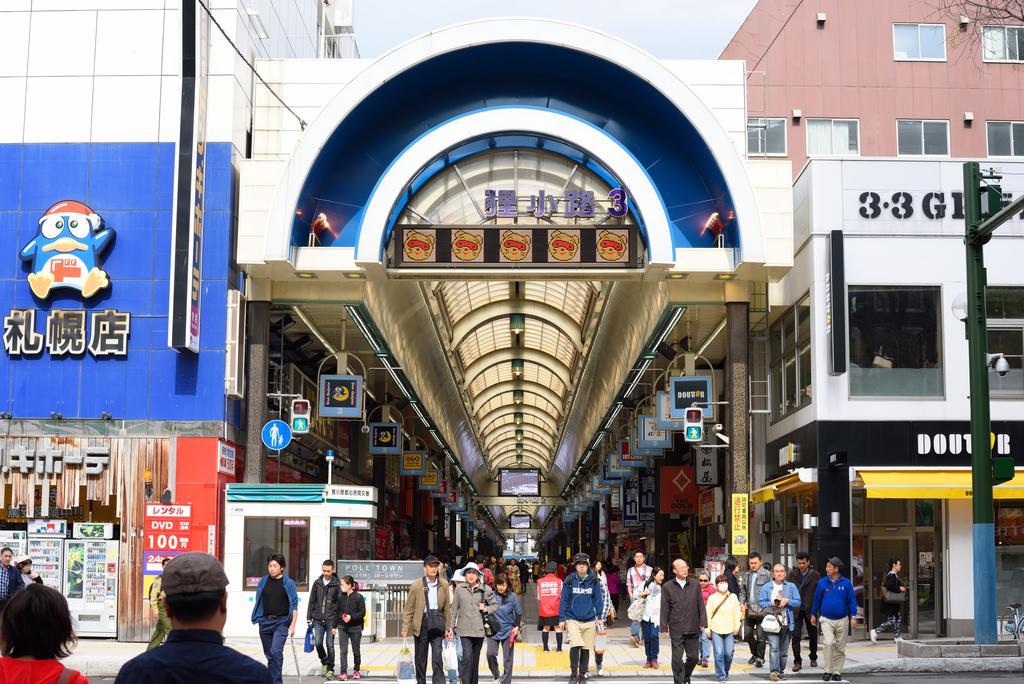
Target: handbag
[
  {"x": 601, "y": 641},
  {"x": 636, "y": 609},
  {"x": 771, "y": 624},
  {"x": 894, "y": 596},
  {"x": 307, "y": 644},
  {"x": 435, "y": 622}
]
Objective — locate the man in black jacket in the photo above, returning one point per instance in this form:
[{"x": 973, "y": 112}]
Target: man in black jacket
[
  {"x": 805, "y": 577},
  {"x": 684, "y": 616},
  {"x": 323, "y": 615}
]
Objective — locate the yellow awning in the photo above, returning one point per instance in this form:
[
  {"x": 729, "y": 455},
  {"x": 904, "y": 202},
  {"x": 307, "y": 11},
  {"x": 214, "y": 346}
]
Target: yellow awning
[
  {"x": 932, "y": 484},
  {"x": 768, "y": 490}
]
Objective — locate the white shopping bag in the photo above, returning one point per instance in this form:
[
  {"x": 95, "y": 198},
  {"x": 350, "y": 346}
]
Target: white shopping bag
[
  {"x": 450, "y": 656},
  {"x": 405, "y": 670}
]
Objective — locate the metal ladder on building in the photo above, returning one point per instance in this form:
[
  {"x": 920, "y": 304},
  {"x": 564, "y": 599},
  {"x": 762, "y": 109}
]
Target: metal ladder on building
[{"x": 758, "y": 388}]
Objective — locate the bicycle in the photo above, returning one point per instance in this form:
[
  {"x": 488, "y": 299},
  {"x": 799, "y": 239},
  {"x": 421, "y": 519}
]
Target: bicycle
[{"x": 1013, "y": 621}]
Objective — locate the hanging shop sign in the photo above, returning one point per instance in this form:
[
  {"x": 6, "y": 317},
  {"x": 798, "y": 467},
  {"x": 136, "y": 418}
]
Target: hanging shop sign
[
  {"x": 710, "y": 506},
  {"x": 648, "y": 488},
  {"x": 631, "y": 503},
  {"x": 442, "y": 490},
  {"x": 65, "y": 333},
  {"x": 663, "y": 413},
  {"x": 627, "y": 457},
  {"x": 430, "y": 480},
  {"x": 609, "y": 477},
  {"x": 598, "y": 487},
  {"x": 740, "y": 512},
  {"x": 688, "y": 390},
  {"x": 707, "y": 467},
  {"x": 189, "y": 184},
  {"x": 413, "y": 463},
  {"x": 835, "y": 304},
  {"x": 679, "y": 492},
  {"x": 650, "y": 436},
  {"x": 66, "y": 251},
  {"x": 225, "y": 458},
  {"x": 385, "y": 439},
  {"x": 341, "y": 396}
]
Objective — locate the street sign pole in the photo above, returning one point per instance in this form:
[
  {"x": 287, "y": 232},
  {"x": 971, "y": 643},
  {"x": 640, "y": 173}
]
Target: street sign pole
[{"x": 979, "y": 226}]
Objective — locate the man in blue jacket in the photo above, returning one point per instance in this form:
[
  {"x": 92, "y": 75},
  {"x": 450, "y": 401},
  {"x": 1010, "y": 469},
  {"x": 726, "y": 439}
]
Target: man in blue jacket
[
  {"x": 835, "y": 605},
  {"x": 580, "y": 614},
  {"x": 275, "y": 610},
  {"x": 11, "y": 579}
]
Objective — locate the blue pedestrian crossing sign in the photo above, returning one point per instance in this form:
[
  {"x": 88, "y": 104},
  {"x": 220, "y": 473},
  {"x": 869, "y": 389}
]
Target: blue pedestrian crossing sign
[{"x": 276, "y": 435}]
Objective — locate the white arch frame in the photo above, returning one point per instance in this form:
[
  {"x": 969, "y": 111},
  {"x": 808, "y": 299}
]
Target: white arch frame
[
  {"x": 495, "y": 121},
  {"x": 277, "y": 246}
]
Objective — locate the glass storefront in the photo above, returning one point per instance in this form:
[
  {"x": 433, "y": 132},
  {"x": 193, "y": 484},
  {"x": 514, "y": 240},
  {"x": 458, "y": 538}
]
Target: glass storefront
[
  {"x": 266, "y": 536},
  {"x": 907, "y": 530},
  {"x": 1009, "y": 552}
]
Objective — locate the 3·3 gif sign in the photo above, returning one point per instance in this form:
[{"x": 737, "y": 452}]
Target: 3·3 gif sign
[{"x": 902, "y": 205}]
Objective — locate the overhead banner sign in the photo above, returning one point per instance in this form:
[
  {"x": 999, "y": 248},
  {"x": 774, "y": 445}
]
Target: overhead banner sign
[
  {"x": 189, "y": 182},
  {"x": 740, "y": 513},
  {"x": 679, "y": 492},
  {"x": 341, "y": 396},
  {"x": 385, "y": 439},
  {"x": 648, "y": 488},
  {"x": 710, "y": 507},
  {"x": 650, "y": 436},
  {"x": 631, "y": 503},
  {"x": 413, "y": 463},
  {"x": 688, "y": 390},
  {"x": 835, "y": 304},
  {"x": 707, "y": 467},
  {"x": 663, "y": 413},
  {"x": 430, "y": 480},
  {"x": 561, "y": 233}
]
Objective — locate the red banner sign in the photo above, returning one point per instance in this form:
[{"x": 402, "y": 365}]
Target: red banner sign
[
  {"x": 168, "y": 527},
  {"x": 679, "y": 492}
]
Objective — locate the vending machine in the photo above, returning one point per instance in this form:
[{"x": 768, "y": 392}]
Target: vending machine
[
  {"x": 15, "y": 540},
  {"x": 90, "y": 578},
  {"x": 46, "y": 549}
]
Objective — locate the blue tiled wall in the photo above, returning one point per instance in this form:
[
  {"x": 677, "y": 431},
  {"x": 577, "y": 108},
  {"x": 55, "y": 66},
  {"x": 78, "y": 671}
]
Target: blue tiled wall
[{"x": 130, "y": 185}]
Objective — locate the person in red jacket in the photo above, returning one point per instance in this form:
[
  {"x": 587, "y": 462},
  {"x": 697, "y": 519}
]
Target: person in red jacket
[
  {"x": 549, "y": 600},
  {"x": 37, "y": 634}
]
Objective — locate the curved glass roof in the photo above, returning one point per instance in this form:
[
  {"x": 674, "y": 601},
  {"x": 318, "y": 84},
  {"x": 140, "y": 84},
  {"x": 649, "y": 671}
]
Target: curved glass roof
[{"x": 522, "y": 352}]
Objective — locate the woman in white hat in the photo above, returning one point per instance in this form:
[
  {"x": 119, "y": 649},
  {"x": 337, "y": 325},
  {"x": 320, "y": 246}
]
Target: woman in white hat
[
  {"x": 473, "y": 600},
  {"x": 24, "y": 565}
]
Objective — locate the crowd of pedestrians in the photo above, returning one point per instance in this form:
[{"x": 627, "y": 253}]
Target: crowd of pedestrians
[{"x": 475, "y": 611}]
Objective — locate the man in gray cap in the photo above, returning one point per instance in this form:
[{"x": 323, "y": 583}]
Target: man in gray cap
[{"x": 195, "y": 592}]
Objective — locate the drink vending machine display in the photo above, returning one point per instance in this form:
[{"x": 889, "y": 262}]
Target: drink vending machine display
[{"x": 90, "y": 579}]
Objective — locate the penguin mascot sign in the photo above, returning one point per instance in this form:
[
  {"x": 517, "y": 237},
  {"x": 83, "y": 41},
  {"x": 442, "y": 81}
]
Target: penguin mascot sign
[{"x": 66, "y": 250}]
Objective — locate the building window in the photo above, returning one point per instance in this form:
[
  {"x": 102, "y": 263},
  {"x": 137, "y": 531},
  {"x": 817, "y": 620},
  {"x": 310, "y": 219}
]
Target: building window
[
  {"x": 833, "y": 137},
  {"x": 895, "y": 341},
  {"x": 1005, "y": 314},
  {"x": 922, "y": 138},
  {"x": 926, "y": 42},
  {"x": 1006, "y": 139},
  {"x": 790, "y": 353},
  {"x": 1002, "y": 43},
  {"x": 766, "y": 137},
  {"x": 1009, "y": 551},
  {"x": 286, "y": 536}
]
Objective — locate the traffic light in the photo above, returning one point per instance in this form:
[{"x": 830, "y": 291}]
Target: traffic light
[
  {"x": 693, "y": 423},
  {"x": 300, "y": 416}
]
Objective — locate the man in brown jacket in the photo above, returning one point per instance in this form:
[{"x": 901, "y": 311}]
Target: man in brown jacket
[
  {"x": 684, "y": 616},
  {"x": 427, "y": 614}
]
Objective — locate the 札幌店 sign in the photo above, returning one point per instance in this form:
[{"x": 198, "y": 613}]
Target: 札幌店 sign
[{"x": 65, "y": 333}]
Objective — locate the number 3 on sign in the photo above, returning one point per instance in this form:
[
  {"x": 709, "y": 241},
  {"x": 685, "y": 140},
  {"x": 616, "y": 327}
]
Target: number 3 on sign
[{"x": 901, "y": 204}]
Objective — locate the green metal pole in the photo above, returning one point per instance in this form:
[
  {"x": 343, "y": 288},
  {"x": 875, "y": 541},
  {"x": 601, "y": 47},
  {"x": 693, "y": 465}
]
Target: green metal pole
[{"x": 983, "y": 529}]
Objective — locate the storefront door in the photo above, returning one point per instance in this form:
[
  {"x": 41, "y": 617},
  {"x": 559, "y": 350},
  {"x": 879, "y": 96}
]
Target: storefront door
[{"x": 883, "y": 549}]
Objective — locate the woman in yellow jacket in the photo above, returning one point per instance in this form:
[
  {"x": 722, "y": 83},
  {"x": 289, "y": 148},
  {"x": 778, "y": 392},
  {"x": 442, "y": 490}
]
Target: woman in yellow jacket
[{"x": 723, "y": 625}]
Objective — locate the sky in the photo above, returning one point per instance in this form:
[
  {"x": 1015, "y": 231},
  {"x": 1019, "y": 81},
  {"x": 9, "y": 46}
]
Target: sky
[{"x": 668, "y": 29}]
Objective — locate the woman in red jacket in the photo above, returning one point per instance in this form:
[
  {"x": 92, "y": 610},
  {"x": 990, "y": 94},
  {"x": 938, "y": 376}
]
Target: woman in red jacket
[{"x": 35, "y": 633}]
